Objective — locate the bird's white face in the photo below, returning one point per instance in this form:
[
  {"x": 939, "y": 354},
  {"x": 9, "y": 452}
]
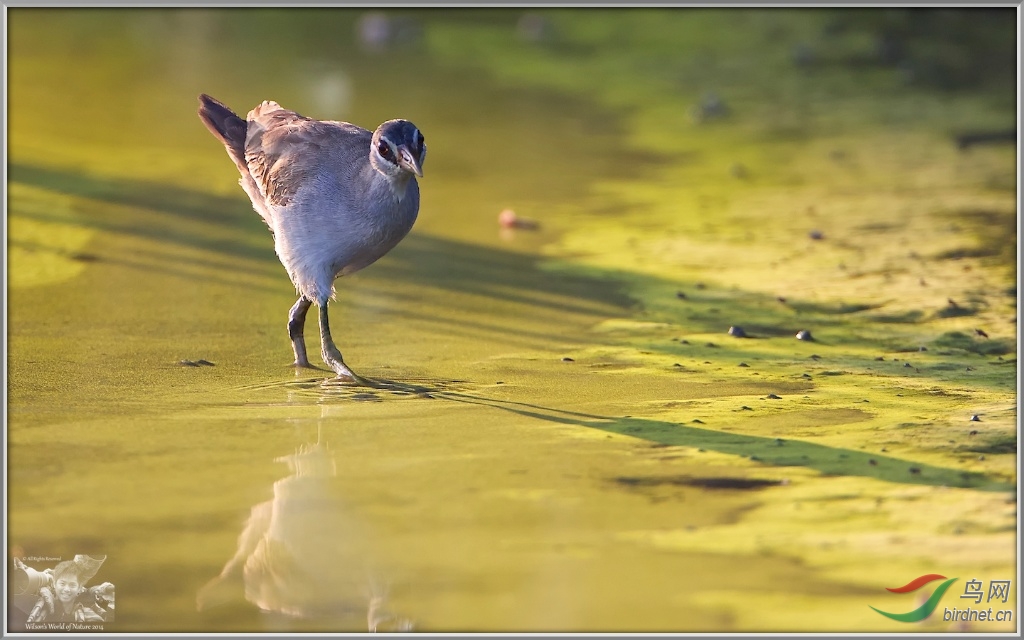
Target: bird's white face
[{"x": 398, "y": 147}]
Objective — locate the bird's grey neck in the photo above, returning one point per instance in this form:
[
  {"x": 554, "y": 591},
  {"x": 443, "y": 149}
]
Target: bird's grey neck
[{"x": 397, "y": 186}]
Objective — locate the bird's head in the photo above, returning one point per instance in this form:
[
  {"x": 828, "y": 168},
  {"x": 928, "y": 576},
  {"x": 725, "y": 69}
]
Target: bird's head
[{"x": 397, "y": 148}]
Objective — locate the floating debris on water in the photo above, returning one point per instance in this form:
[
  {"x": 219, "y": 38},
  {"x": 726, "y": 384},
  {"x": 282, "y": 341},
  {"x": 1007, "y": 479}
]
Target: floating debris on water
[
  {"x": 804, "y": 334},
  {"x": 737, "y": 332},
  {"x": 711, "y": 107},
  {"x": 567, "y": 359},
  {"x": 816, "y": 235},
  {"x": 196, "y": 363},
  {"x": 975, "y": 418},
  {"x": 509, "y": 219},
  {"x": 533, "y": 27},
  {"x": 772, "y": 396}
]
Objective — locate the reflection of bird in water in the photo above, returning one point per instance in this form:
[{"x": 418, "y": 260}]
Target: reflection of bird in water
[{"x": 301, "y": 555}]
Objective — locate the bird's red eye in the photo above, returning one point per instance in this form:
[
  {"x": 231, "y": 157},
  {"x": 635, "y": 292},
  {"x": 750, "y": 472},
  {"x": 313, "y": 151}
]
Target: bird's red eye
[{"x": 384, "y": 149}]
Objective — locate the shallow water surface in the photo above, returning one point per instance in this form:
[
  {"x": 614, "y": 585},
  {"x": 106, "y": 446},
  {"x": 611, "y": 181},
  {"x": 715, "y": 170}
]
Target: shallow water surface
[{"x": 563, "y": 436}]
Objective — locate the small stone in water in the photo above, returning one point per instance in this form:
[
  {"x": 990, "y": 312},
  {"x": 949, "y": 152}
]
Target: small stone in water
[
  {"x": 772, "y": 396},
  {"x": 816, "y": 235},
  {"x": 743, "y": 364},
  {"x": 508, "y": 219}
]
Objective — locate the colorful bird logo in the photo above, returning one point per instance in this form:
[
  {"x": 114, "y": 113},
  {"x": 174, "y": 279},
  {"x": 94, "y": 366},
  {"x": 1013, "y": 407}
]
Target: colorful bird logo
[{"x": 925, "y": 609}]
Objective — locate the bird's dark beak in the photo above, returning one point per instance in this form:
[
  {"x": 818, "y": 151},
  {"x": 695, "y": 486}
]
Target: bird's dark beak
[{"x": 406, "y": 160}]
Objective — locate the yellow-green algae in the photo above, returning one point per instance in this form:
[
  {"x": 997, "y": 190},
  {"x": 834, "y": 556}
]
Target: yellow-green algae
[{"x": 504, "y": 488}]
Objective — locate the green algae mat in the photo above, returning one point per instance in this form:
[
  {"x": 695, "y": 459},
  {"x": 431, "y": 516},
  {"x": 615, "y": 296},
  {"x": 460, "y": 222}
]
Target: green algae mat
[{"x": 602, "y": 419}]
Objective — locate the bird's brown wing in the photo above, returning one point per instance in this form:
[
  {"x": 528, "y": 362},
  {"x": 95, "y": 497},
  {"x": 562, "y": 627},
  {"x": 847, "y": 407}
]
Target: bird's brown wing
[{"x": 283, "y": 149}]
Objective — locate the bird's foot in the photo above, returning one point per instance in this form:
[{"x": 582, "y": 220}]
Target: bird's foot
[
  {"x": 333, "y": 359},
  {"x": 347, "y": 375}
]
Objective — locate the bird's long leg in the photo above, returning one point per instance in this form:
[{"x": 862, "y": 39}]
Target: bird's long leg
[
  {"x": 296, "y": 328},
  {"x": 330, "y": 353}
]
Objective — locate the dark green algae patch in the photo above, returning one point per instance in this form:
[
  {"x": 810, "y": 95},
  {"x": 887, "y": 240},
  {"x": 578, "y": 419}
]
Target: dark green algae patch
[{"x": 564, "y": 411}]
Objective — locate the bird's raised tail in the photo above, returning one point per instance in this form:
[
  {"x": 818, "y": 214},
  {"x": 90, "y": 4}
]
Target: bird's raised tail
[{"x": 226, "y": 126}]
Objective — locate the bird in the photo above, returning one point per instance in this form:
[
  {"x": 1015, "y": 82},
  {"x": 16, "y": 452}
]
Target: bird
[{"x": 336, "y": 197}]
